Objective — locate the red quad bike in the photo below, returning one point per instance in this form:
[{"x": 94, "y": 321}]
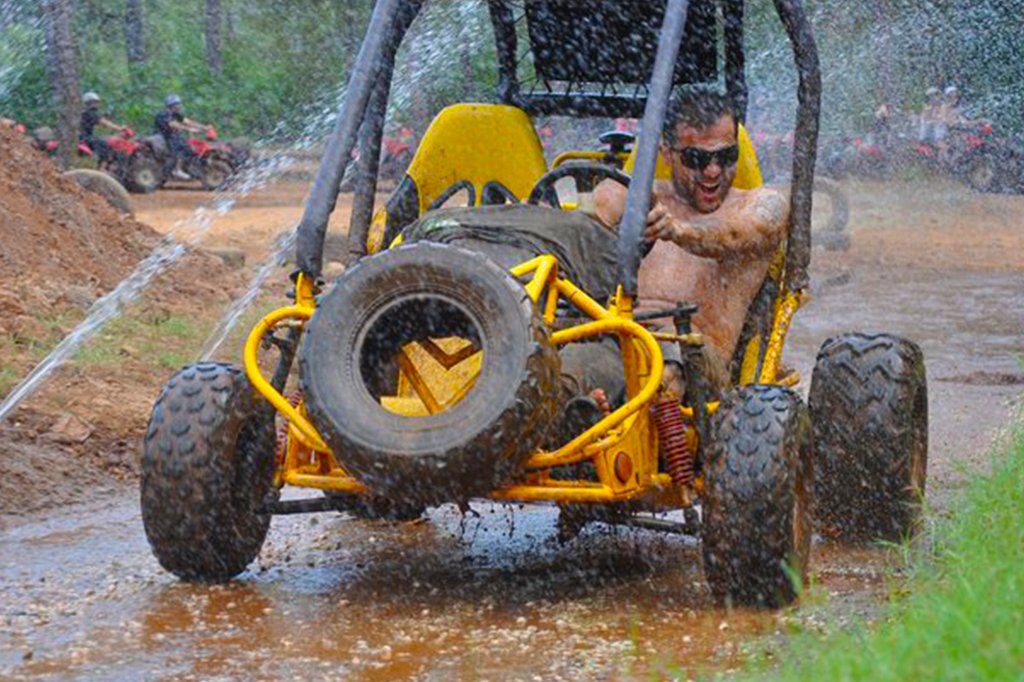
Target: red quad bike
[
  {"x": 43, "y": 137},
  {"x": 212, "y": 163},
  {"x": 131, "y": 164},
  {"x": 865, "y": 156},
  {"x": 975, "y": 158},
  {"x": 395, "y": 157}
]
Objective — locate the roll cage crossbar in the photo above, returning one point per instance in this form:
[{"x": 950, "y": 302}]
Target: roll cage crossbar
[{"x": 681, "y": 57}]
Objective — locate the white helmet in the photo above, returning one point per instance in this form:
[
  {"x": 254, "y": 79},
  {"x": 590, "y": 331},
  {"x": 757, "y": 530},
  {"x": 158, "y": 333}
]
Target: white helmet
[
  {"x": 951, "y": 90},
  {"x": 90, "y": 97},
  {"x": 931, "y": 92},
  {"x": 171, "y": 100}
]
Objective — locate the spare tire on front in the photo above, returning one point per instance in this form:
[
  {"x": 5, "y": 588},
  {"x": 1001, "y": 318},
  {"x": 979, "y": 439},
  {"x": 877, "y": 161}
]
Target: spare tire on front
[{"x": 427, "y": 292}]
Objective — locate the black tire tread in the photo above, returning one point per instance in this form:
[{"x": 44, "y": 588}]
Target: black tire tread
[
  {"x": 226, "y": 168},
  {"x": 519, "y": 431},
  {"x": 759, "y": 460},
  {"x": 207, "y": 462},
  {"x": 868, "y": 402},
  {"x": 140, "y": 159}
]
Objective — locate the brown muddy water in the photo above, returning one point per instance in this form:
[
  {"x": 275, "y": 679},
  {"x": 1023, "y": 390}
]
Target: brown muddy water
[{"x": 492, "y": 595}]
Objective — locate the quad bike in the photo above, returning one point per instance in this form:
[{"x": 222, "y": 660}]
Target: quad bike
[
  {"x": 43, "y": 138},
  {"x": 396, "y": 155},
  {"x": 429, "y": 372},
  {"x": 130, "y": 163},
  {"x": 212, "y": 163},
  {"x": 973, "y": 157}
]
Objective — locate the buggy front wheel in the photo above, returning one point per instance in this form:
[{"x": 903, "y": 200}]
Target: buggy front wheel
[
  {"x": 756, "y": 505},
  {"x": 207, "y": 466}
]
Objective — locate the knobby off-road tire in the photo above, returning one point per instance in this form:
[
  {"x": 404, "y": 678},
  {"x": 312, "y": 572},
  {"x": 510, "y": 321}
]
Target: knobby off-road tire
[
  {"x": 104, "y": 185},
  {"x": 414, "y": 292},
  {"x": 144, "y": 175},
  {"x": 756, "y": 506},
  {"x": 869, "y": 408},
  {"x": 216, "y": 173},
  {"x": 207, "y": 465}
]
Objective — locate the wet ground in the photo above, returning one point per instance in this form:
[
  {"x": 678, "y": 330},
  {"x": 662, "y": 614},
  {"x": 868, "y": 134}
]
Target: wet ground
[{"x": 493, "y": 595}]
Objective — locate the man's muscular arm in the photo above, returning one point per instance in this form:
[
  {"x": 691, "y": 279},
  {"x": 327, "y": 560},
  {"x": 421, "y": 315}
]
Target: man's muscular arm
[{"x": 755, "y": 225}]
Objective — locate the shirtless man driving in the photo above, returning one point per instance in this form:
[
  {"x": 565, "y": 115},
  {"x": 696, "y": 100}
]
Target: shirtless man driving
[{"x": 714, "y": 243}]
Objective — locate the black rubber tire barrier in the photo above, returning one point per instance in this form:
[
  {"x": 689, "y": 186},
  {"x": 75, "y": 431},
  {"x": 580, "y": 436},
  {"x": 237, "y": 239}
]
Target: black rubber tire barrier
[
  {"x": 478, "y": 444},
  {"x": 105, "y": 185},
  {"x": 869, "y": 409},
  {"x": 207, "y": 466},
  {"x": 835, "y": 236},
  {"x": 759, "y": 482}
]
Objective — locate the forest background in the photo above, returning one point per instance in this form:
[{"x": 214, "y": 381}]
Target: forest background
[{"x": 262, "y": 68}]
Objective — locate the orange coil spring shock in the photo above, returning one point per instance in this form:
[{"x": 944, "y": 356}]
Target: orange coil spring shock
[
  {"x": 282, "y": 430},
  {"x": 668, "y": 419}
]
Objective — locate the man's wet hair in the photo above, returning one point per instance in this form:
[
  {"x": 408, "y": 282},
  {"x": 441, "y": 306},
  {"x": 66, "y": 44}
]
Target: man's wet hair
[{"x": 697, "y": 106}]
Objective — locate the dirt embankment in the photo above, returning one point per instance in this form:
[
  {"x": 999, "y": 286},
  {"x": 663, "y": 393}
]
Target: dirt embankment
[{"x": 61, "y": 248}]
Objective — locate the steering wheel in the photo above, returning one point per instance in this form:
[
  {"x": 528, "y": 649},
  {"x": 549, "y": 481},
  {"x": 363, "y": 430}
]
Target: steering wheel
[{"x": 587, "y": 175}]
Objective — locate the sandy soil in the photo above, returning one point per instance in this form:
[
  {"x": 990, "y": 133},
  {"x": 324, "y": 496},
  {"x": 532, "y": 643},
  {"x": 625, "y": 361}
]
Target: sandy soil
[{"x": 492, "y": 596}]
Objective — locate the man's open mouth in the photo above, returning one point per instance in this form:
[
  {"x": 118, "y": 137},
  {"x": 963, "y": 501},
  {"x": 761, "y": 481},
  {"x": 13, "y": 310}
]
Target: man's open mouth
[{"x": 708, "y": 192}]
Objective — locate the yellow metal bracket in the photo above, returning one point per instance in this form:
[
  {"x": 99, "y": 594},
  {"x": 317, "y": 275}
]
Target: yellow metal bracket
[{"x": 302, "y": 311}]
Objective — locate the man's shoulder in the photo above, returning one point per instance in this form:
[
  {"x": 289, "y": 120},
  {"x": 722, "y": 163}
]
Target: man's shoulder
[{"x": 768, "y": 204}]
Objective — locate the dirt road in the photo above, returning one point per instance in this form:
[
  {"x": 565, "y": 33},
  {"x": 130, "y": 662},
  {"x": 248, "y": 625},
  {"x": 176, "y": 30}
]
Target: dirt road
[{"x": 492, "y": 595}]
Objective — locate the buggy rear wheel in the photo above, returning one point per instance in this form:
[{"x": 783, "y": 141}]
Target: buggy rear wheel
[
  {"x": 756, "y": 507},
  {"x": 869, "y": 408},
  {"x": 429, "y": 373},
  {"x": 207, "y": 466}
]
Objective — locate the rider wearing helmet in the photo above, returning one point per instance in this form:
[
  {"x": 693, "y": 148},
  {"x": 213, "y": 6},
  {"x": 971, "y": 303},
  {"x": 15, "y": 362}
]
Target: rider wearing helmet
[
  {"x": 170, "y": 123},
  {"x": 91, "y": 117}
]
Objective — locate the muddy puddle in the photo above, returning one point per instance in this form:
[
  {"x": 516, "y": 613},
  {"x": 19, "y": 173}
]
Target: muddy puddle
[{"x": 493, "y": 595}]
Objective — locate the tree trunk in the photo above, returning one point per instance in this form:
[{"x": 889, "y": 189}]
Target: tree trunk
[
  {"x": 213, "y": 20},
  {"x": 62, "y": 62},
  {"x": 133, "y": 32},
  {"x": 885, "y": 58}
]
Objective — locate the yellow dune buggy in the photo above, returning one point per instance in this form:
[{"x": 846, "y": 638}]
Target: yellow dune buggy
[{"x": 429, "y": 372}]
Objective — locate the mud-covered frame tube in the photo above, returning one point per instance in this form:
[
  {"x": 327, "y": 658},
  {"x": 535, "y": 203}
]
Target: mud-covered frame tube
[
  {"x": 638, "y": 200},
  {"x": 380, "y": 37},
  {"x": 370, "y": 135},
  {"x": 805, "y": 53}
]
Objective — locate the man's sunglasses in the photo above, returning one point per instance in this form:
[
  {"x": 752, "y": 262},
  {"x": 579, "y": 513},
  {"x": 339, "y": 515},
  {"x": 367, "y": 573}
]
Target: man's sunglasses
[{"x": 696, "y": 158}]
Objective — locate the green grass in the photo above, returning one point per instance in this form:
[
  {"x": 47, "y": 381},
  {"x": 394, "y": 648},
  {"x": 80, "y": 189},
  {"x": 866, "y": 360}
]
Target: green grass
[
  {"x": 8, "y": 378},
  {"x": 963, "y": 616},
  {"x": 150, "y": 340}
]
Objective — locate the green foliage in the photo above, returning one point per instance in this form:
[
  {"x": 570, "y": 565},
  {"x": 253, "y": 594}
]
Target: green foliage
[
  {"x": 965, "y": 612},
  {"x": 891, "y": 51},
  {"x": 281, "y": 60},
  {"x": 278, "y": 59},
  {"x": 8, "y": 378}
]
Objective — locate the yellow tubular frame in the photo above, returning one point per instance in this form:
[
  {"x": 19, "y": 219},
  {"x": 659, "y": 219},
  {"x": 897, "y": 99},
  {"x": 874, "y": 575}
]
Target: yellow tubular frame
[
  {"x": 585, "y": 155},
  {"x": 627, "y": 431}
]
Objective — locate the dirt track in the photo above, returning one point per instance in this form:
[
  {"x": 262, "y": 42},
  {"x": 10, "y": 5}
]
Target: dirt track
[{"x": 495, "y": 596}]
